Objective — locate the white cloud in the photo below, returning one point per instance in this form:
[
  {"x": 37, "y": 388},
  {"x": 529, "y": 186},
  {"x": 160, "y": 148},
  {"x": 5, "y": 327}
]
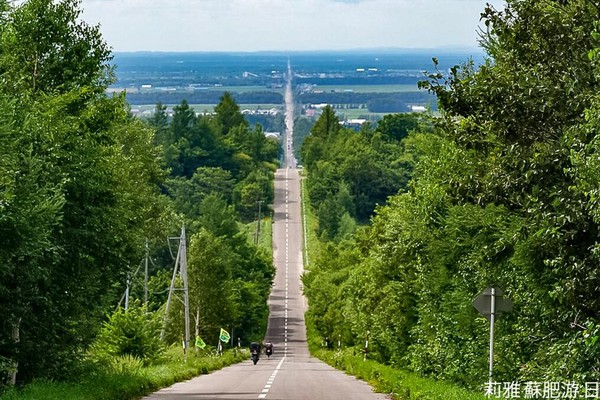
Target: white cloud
[{"x": 208, "y": 25}]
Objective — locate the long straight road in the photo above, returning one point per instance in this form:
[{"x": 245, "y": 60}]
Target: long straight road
[{"x": 291, "y": 373}]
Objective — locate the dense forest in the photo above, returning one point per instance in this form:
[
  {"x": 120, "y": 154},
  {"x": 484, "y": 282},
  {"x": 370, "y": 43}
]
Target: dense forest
[
  {"x": 500, "y": 189},
  {"x": 84, "y": 186},
  {"x": 416, "y": 214}
]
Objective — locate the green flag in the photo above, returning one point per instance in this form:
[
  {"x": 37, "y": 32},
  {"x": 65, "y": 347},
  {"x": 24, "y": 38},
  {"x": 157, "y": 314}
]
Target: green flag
[
  {"x": 224, "y": 336},
  {"x": 200, "y": 343}
]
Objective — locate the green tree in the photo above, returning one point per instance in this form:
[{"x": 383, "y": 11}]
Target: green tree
[
  {"x": 46, "y": 48},
  {"x": 397, "y": 126},
  {"x": 322, "y": 132},
  {"x": 160, "y": 122},
  {"x": 228, "y": 115},
  {"x": 30, "y": 211},
  {"x": 218, "y": 217},
  {"x": 257, "y": 186},
  {"x": 503, "y": 193},
  {"x": 88, "y": 178},
  {"x": 212, "y": 296},
  {"x": 502, "y": 162}
]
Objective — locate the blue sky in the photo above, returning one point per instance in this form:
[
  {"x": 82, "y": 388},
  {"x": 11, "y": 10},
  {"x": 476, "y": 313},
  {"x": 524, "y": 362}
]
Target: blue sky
[{"x": 285, "y": 25}]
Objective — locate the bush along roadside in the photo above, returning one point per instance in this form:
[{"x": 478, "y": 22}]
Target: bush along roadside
[
  {"x": 126, "y": 378},
  {"x": 400, "y": 384}
]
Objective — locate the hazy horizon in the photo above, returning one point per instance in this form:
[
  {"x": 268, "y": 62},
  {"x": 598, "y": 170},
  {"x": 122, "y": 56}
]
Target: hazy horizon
[{"x": 365, "y": 50}]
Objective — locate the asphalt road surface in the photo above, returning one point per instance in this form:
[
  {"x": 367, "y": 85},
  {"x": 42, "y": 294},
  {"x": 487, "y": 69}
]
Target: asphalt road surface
[{"x": 291, "y": 373}]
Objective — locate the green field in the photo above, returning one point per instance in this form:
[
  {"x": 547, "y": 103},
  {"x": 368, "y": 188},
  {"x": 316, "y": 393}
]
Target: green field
[
  {"x": 368, "y": 88},
  {"x": 242, "y": 89},
  {"x": 354, "y": 113},
  {"x": 381, "y": 88},
  {"x": 208, "y": 107}
]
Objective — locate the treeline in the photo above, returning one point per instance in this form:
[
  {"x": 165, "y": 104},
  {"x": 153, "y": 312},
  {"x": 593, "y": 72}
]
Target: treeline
[
  {"x": 83, "y": 186},
  {"x": 204, "y": 97},
  {"x": 367, "y": 79},
  {"x": 376, "y": 102},
  {"x": 352, "y": 172},
  {"x": 218, "y": 171},
  {"x": 503, "y": 193}
]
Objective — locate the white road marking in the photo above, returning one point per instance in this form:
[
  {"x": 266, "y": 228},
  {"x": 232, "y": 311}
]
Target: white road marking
[{"x": 269, "y": 383}]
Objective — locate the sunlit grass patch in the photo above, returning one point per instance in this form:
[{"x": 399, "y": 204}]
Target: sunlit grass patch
[{"x": 125, "y": 380}]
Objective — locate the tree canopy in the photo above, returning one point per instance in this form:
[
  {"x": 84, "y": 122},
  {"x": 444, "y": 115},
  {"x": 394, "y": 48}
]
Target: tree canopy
[
  {"x": 79, "y": 191},
  {"x": 503, "y": 193},
  {"x": 353, "y": 172},
  {"x": 83, "y": 187}
]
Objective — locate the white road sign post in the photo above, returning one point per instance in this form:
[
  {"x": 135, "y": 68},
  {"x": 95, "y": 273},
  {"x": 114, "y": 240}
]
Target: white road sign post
[{"x": 491, "y": 302}]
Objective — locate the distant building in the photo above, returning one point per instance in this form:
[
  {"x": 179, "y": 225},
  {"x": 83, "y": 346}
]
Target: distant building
[
  {"x": 354, "y": 124},
  {"x": 273, "y": 135},
  {"x": 418, "y": 109},
  {"x": 272, "y": 111}
]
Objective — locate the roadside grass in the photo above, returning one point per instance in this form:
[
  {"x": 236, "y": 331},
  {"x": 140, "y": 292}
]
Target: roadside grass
[
  {"x": 401, "y": 385},
  {"x": 310, "y": 241},
  {"x": 128, "y": 380},
  {"x": 265, "y": 237}
]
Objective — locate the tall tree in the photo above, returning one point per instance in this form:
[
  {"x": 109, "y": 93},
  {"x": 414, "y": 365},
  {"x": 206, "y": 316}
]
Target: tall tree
[
  {"x": 88, "y": 179},
  {"x": 504, "y": 194},
  {"x": 47, "y": 48},
  {"x": 212, "y": 296},
  {"x": 228, "y": 115},
  {"x": 322, "y": 131}
]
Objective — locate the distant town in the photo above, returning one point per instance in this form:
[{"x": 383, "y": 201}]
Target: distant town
[{"x": 361, "y": 87}]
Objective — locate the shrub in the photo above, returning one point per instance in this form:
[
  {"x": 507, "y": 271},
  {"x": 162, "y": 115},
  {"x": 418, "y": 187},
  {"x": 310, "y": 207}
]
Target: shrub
[{"x": 133, "y": 333}]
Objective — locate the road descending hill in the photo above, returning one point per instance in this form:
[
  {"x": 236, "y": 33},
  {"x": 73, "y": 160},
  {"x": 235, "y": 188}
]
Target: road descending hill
[{"x": 291, "y": 373}]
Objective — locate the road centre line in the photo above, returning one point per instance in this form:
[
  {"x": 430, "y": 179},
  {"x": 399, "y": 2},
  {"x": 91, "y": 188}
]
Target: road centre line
[{"x": 269, "y": 383}]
